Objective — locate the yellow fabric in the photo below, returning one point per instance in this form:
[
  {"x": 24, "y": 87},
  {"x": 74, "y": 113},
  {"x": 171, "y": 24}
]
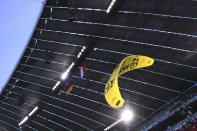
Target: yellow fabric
[
  {"x": 69, "y": 90},
  {"x": 112, "y": 93}
]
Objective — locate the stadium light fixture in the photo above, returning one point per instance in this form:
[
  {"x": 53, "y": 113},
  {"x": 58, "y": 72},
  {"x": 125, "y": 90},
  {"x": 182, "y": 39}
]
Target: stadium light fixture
[
  {"x": 109, "y": 9},
  {"x": 80, "y": 53},
  {"x": 127, "y": 115},
  {"x": 23, "y": 121},
  {"x": 33, "y": 111},
  {"x": 65, "y": 74},
  {"x": 56, "y": 85}
]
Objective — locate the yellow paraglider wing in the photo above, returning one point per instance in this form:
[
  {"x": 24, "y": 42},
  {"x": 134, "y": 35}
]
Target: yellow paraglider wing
[{"x": 112, "y": 93}]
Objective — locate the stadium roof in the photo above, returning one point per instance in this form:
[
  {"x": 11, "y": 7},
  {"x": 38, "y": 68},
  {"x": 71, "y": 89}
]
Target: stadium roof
[{"x": 162, "y": 30}]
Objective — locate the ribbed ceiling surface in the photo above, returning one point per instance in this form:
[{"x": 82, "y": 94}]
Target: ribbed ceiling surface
[{"x": 163, "y": 30}]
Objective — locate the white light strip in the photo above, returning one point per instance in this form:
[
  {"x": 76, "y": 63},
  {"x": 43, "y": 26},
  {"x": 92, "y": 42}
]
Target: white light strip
[
  {"x": 33, "y": 111},
  {"x": 110, "y": 6},
  {"x": 112, "y": 125},
  {"x": 80, "y": 53},
  {"x": 23, "y": 121},
  {"x": 65, "y": 74},
  {"x": 55, "y": 86}
]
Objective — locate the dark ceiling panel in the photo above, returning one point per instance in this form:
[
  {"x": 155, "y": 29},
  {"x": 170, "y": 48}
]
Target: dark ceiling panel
[{"x": 163, "y": 30}]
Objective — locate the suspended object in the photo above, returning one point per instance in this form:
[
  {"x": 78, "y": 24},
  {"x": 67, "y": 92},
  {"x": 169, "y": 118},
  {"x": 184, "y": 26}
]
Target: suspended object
[
  {"x": 81, "y": 72},
  {"x": 111, "y": 92}
]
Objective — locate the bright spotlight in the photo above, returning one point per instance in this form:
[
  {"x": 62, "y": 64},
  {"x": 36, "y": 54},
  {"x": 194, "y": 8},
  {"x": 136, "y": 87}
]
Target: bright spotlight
[
  {"x": 127, "y": 115},
  {"x": 65, "y": 75}
]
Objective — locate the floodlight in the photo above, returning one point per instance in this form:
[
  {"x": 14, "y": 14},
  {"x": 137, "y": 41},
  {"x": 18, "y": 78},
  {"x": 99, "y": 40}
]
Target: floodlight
[{"x": 127, "y": 115}]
